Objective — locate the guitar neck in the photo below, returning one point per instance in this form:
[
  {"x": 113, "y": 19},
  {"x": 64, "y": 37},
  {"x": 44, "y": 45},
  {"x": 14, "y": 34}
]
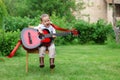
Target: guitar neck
[{"x": 57, "y": 34}]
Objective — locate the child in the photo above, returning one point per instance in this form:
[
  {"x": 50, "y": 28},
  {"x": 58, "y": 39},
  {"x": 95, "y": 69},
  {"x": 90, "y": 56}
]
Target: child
[{"x": 46, "y": 24}]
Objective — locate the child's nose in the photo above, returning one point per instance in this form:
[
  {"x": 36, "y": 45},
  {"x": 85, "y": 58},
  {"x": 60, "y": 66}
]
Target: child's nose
[{"x": 47, "y": 22}]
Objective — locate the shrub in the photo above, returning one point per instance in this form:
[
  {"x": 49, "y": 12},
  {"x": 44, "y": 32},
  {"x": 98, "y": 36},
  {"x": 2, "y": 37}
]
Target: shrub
[
  {"x": 96, "y": 32},
  {"x": 85, "y": 30},
  {"x": 14, "y": 23},
  {"x": 102, "y": 29},
  {"x": 8, "y": 41}
]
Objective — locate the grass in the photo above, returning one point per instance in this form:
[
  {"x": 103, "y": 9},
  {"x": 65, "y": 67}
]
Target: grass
[{"x": 73, "y": 62}]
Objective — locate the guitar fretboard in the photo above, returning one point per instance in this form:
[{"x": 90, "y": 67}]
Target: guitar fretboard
[{"x": 57, "y": 34}]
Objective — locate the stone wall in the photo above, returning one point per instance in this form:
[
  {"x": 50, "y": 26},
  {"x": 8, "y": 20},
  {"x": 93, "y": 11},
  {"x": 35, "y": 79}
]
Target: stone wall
[
  {"x": 97, "y": 9},
  {"x": 94, "y": 10}
]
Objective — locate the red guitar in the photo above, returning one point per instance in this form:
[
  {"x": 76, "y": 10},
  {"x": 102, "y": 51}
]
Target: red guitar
[{"x": 32, "y": 39}]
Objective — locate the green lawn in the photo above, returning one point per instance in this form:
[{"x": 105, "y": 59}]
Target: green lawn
[{"x": 75, "y": 62}]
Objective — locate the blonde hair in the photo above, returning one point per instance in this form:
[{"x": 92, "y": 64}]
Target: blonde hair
[{"x": 43, "y": 15}]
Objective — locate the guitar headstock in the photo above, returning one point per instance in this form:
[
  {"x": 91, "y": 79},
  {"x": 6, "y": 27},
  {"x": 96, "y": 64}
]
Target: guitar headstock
[{"x": 74, "y": 32}]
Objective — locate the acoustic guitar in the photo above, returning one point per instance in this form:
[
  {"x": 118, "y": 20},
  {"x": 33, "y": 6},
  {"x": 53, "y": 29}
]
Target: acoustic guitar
[{"x": 32, "y": 39}]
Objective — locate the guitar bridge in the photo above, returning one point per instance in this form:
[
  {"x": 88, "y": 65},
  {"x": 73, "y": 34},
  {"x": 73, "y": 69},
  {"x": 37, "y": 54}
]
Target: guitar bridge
[{"x": 29, "y": 36}]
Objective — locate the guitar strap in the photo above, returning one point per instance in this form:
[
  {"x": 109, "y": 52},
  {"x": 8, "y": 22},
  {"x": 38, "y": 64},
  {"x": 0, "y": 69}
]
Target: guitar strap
[
  {"x": 59, "y": 28},
  {"x": 12, "y": 53}
]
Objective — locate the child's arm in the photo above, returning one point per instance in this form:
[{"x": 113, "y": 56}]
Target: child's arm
[{"x": 39, "y": 29}]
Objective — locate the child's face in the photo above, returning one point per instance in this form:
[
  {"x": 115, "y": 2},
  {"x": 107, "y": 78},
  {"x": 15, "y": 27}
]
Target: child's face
[{"x": 46, "y": 21}]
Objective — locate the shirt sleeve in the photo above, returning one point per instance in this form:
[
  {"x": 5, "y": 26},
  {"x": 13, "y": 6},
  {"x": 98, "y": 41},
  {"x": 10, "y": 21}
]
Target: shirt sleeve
[
  {"x": 51, "y": 30},
  {"x": 36, "y": 27},
  {"x": 54, "y": 31}
]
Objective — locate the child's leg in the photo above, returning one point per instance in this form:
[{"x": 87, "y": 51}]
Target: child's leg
[
  {"x": 51, "y": 49},
  {"x": 42, "y": 50}
]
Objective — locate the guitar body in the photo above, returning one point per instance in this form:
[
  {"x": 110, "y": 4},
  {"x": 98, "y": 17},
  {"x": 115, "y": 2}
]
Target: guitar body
[{"x": 31, "y": 38}]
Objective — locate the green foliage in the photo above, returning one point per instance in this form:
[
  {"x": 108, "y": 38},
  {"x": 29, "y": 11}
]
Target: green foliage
[
  {"x": 89, "y": 32},
  {"x": 31, "y": 8},
  {"x": 85, "y": 34},
  {"x": 118, "y": 23},
  {"x": 102, "y": 29},
  {"x": 111, "y": 42},
  {"x": 14, "y": 23},
  {"x": 3, "y": 13},
  {"x": 60, "y": 21},
  {"x": 96, "y": 32},
  {"x": 17, "y": 7},
  {"x": 8, "y": 41}
]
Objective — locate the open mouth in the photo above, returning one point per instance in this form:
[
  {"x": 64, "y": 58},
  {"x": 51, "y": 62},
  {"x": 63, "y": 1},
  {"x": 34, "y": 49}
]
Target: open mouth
[{"x": 47, "y": 25}]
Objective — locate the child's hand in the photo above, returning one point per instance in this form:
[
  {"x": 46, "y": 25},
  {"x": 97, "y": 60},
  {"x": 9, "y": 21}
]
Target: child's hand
[
  {"x": 54, "y": 36},
  {"x": 40, "y": 31}
]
